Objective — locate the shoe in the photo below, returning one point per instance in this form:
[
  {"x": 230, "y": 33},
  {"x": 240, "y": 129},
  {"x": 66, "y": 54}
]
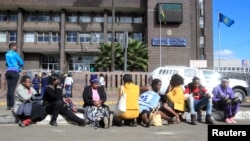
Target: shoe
[
  {"x": 232, "y": 120},
  {"x": 193, "y": 119},
  {"x": 53, "y": 123},
  {"x": 21, "y": 124},
  {"x": 133, "y": 123},
  {"x": 111, "y": 116},
  {"x": 106, "y": 122},
  {"x": 82, "y": 123},
  {"x": 227, "y": 120},
  {"x": 147, "y": 124},
  {"x": 8, "y": 108},
  {"x": 209, "y": 119}
]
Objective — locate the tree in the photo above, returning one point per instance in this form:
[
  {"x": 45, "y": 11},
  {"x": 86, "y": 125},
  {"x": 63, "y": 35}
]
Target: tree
[
  {"x": 103, "y": 58},
  {"x": 137, "y": 56}
]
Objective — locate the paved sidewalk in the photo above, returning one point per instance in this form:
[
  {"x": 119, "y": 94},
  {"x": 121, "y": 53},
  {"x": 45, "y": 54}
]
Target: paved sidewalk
[{"x": 6, "y": 116}]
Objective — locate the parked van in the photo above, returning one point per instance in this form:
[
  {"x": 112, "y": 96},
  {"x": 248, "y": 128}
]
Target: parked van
[{"x": 209, "y": 79}]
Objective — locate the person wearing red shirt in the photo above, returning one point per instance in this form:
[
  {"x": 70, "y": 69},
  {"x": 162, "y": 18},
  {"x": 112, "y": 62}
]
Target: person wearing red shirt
[{"x": 199, "y": 98}]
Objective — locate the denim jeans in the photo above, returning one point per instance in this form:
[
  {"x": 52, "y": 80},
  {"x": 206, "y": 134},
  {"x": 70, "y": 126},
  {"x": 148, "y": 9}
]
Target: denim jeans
[{"x": 197, "y": 105}]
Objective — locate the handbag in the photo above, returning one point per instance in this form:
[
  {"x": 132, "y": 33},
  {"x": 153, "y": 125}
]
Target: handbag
[
  {"x": 121, "y": 105},
  {"x": 155, "y": 117}
]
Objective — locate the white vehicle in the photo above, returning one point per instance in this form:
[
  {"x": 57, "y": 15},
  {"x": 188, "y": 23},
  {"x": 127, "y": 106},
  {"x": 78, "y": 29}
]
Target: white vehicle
[{"x": 209, "y": 79}]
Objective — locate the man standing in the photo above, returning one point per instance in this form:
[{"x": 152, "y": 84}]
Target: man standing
[{"x": 14, "y": 64}]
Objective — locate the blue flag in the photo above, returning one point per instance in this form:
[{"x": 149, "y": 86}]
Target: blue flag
[{"x": 227, "y": 21}]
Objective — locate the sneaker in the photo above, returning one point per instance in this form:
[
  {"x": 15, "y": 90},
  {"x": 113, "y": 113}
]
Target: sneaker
[
  {"x": 232, "y": 120},
  {"x": 53, "y": 123},
  {"x": 21, "y": 124},
  {"x": 106, "y": 122},
  {"x": 227, "y": 120},
  {"x": 133, "y": 123}
]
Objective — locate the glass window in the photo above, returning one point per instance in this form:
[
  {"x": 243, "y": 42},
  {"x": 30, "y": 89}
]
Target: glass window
[
  {"x": 72, "y": 18},
  {"x": 31, "y": 17},
  {"x": 137, "y": 36},
  {"x": 43, "y": 17},
  {"x": 13, "y": 36},
  {"x": 56, "y": 17},
  {"x": 97, "y": 37},
  {"x": 13, "y": 16},
  {"x": 119, "y": 37},
  {"x": 138, "y": 19},
  {"x": 43, "y": 37},
  {"x": 3, "y": 36},
  {"x": 85, "y": 18},
  {"x": 29, "y": 37},
  {"x": 189, "y": 72},
  {"x": 125, "y": 19},
  {"x": 50, "y": 62},
  {"x": 55, "y": 37},
  {"x": 85, "y": 37},
  {"x": 3, "y": 16},
  {"x": 98, "y": 18},
  {"x": 72, "y": 37}
]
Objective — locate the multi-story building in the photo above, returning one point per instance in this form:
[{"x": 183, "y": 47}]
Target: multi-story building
[
  {"x": 239, "y": 66},
  {"x": 65, "y": 34}
]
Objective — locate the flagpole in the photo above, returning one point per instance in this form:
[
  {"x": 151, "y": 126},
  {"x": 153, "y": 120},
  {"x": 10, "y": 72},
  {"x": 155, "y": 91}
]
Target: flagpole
[
  {"x": 160, "y": 41},
  {"x": 219, "y": 38}
]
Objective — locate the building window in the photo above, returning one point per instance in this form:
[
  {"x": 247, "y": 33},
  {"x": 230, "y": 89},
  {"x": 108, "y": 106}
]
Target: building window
[
  {"x": 13, "y": 16},
  {"x": 85, "y": 37},
  {"x": 31, "y": 17},
  {"x": 3, "y": 16},
  {"x": 72, "y": 18},
  {"x": 138, "y": 19},
  {"x": 43, "y": 17},
  {"x": 201, "y": 22},
  {"x": 3, "y": 36},
  {"x": 51, "y": 62},
  {"x": 56, "y": 17},
  {"x": 137, "y": 36},
  {"x": 81, "y": 63},
  {"x": 125, "y": 19},
  {"x": 97, "y": 37},
  {"x": 55, "y": 37},
  {"x": 71, "y": 37},
  {"x": 12, "y": 36},
  {"x": 119, "y": 37},
  {"x": 98, "y": 18},
  {"x": 29, "y": 37},
  {"x": 43, "y": 37},
  {"x": 85, "y": 18}
]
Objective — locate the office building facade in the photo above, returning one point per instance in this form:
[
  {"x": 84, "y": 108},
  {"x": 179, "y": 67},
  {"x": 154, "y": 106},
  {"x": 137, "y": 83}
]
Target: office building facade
[{"x": 64, "y": 35}]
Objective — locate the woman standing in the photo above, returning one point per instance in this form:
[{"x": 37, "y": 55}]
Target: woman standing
[{"x": 14, "y": 64}]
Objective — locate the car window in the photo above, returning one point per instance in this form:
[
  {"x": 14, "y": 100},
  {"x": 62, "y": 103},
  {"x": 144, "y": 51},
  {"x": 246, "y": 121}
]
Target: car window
[{"x": 189, "y": 72}]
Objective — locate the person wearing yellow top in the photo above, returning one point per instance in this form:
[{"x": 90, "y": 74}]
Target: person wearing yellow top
[
  {"x": 132, "y": 92},
  {"x": 175, "y": 94}
]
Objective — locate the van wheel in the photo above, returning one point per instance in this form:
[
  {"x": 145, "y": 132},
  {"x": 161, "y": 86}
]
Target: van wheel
[{"x": 240, "y": 93}]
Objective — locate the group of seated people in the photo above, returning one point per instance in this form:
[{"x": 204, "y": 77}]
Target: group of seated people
[{"x": 140, "y": 101}]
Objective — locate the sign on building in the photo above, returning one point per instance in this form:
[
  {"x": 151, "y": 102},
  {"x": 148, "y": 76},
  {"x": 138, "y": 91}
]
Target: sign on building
[{"x": 198, "y": 63}]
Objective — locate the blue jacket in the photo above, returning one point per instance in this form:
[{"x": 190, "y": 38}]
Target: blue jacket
[
  {"x": 148, "y": 100},
  {"x": 13, "y": 61}
]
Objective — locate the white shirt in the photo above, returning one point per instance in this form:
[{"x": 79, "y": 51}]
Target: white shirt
[
  {"x": 68, "y": 81},
  {"x": 102, "y": 81}
]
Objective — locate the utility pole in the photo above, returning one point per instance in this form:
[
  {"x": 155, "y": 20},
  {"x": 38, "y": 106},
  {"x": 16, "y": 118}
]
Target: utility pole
[{"x": 113, "y": 38}]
